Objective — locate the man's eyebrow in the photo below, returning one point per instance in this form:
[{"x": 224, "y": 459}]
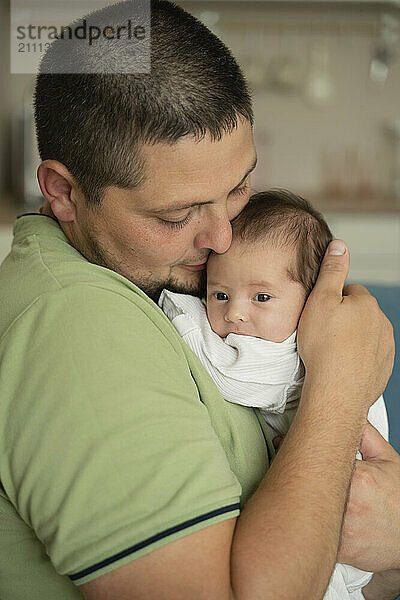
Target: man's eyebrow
[
  {"x": 174, "y": 207},
  {"x": 253, "y": 166},
  {"x": 197, "y": 203}
]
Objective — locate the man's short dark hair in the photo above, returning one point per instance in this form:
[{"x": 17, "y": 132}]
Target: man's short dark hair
[
  {"x": 284, "y": 219},
  {"x": 95, "y": 124}
]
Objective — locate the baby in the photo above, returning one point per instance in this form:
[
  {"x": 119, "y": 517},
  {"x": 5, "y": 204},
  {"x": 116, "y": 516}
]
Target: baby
[{"x": 246, "y": 336}]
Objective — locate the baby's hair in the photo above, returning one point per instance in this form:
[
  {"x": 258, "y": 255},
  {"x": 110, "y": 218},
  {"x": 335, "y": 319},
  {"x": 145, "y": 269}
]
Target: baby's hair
[{"x": 285, "y": 219}]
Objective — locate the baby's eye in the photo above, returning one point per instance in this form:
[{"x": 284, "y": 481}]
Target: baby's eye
[
  {"x": 220, "y": 296},
  {"x": 262, "y": 297}
]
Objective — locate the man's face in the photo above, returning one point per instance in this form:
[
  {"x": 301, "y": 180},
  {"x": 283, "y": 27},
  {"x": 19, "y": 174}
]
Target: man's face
[{"x": 161, "y": 233}]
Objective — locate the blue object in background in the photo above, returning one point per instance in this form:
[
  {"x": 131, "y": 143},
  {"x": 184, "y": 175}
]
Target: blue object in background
[{"x": 389, "y": 300}]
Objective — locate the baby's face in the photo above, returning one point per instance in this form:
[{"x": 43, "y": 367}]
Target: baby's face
[{"x": 250, "y": 293}]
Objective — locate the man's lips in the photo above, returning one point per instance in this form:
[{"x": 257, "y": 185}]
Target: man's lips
[{"x": 198, "y": 267}]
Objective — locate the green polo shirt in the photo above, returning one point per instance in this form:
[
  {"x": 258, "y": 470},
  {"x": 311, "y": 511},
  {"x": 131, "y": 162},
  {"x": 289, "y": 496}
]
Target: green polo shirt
[{"x": 113, "y": 438}]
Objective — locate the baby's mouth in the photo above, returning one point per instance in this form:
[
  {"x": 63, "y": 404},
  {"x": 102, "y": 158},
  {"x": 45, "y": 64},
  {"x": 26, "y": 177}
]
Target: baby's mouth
[{"x": 239, "y": 333}]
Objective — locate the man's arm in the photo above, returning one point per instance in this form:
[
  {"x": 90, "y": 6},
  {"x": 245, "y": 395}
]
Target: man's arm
[
  {"x": 284, "y": 543},
  {"x": 383, "y": 586}
]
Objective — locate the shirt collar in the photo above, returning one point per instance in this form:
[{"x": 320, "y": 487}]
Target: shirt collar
[{"x": 36, "y": 224}]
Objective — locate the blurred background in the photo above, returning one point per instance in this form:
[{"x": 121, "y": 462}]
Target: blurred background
[{"x": 325, "y": 78}]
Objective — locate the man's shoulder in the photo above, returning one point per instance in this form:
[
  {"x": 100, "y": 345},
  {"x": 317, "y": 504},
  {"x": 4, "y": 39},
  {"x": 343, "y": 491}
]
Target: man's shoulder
[
  {"x": 45, "y": 280},
  {"x": 92, "y": 308}
]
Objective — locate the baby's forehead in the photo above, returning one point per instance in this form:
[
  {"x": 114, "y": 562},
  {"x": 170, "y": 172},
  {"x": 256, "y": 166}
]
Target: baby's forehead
[
  {"x": 242, "y": 251},
  {"x": 245, "y": 259}
]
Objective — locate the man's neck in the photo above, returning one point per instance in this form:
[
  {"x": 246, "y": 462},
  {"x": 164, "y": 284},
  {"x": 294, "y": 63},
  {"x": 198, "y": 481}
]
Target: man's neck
[{"x": 45, "y": 209}]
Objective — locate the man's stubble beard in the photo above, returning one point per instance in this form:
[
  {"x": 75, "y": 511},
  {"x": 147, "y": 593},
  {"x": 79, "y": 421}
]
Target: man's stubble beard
[
  {"x": 195, "y": 288},
  {"x": 96, "y": 254}
]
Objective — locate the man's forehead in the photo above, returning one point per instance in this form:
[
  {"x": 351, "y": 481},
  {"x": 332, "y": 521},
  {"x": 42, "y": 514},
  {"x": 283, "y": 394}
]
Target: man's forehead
[
  {"x": 192, "y": 161},
  {"x": 177, "y": 178}
]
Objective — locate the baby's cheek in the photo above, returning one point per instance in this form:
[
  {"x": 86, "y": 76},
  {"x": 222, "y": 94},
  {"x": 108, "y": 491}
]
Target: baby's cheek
[
  {"x": 214, "y": 318},
  {"x": 292, "y": 316},
  {"x": 276, "y": 325},
  {"x": 279, "y": 324}
]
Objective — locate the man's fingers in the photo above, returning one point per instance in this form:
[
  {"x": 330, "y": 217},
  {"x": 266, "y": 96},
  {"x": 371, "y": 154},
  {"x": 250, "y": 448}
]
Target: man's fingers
[
  {"x": 374, "y": 446},
  {"x": 334, "y": 270},
  {"x": 355, "y": 289}
]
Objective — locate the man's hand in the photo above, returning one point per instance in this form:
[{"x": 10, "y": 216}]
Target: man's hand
[
  {"x": 383, "y": 586},
  {"x": 371, "y": 529},
  {"x": 344, "y": 339}
]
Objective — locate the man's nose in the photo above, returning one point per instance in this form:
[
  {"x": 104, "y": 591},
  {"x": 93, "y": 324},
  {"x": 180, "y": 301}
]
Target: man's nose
[{"x": 217, "y": 234}]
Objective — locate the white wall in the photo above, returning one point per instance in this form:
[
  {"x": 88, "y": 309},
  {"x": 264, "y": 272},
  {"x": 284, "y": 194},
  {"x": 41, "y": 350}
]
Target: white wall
[
  {"x": 293, "y": 135},
  {"x": 374, "y": 244}
]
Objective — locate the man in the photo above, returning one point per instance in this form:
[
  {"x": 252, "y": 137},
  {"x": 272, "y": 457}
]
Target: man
[{"x": 123, "y": 471}]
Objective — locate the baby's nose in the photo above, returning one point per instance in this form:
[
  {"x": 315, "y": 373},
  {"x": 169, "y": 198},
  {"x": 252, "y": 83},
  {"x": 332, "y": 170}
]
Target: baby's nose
[{"x": 235, "y": 316}]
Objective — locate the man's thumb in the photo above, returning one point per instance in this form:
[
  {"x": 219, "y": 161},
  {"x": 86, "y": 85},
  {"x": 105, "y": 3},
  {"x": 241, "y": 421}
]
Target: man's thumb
[
  {"x": 373, "y": 445},
  {"x": 334, "y": 268}
]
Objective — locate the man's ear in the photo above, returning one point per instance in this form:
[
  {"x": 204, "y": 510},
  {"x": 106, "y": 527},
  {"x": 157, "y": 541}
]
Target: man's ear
[{"x": 57, "y": 185}]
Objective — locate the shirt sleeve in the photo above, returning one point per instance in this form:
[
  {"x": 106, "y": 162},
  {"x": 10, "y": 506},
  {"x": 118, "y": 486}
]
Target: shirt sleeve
[{"x": 109, "y": 451}]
